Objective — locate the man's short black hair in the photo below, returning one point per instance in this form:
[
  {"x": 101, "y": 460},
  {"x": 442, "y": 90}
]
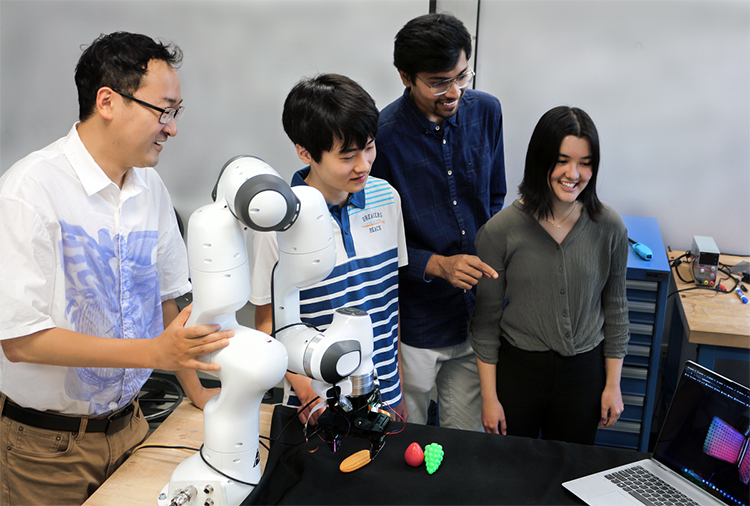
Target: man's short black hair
[
  {"x": 118, "y": 60},
  {"x": 327, "y": 108},
  {"x": 431, "y": 43}
]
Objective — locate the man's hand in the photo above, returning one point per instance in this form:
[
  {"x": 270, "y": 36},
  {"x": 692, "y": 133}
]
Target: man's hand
[
  {"x": 302, "y": 386},
  {"x": 400, "y": 408},
  {"x": 461, "y": 271},
  {"x": 172, "y": 350},
  {"x": 200, "y": 398},
  {"x": 194, "y": 389},
  {"x": 178, "y": 346}
]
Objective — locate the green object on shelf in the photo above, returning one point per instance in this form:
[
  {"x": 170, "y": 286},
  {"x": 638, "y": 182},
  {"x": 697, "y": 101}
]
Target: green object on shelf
[{"x": 433, "y": 457}]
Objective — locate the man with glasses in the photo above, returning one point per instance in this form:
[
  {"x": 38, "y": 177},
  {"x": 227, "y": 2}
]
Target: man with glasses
[
  {"x": 91, "y": 261},
  {"x": 166, "y": 115},
  {"x": 441, "y": 146}
]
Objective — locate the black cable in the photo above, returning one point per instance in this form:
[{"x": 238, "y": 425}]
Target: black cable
[
  {"x": 726, "y": 271},
  {"x": 222, "y": 473},
  {"x": 168, "y": 447},
  {"x": 291, "y": 419},
  {"x": 180, "y": 396},
  {"x": 711, "y": 288},
  {"x": 694, "y": 288},
  {"x": 297, "y": 324},
  {"x": 675, "y": 265},
  {"x": 735, "y": 255}
]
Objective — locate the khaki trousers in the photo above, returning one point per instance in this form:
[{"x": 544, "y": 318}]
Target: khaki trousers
[
  {"x": 46, "y": 467},
  {"x": 453, "y": 372}
]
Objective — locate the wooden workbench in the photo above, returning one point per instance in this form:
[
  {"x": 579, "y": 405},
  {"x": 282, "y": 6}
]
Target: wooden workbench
[
  {"x": 719, "y": 322},
  {"x": 140, "y": 479}
]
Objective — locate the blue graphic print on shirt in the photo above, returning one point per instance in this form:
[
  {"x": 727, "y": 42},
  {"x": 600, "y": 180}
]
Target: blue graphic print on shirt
[{"x": 110, "y": 298}]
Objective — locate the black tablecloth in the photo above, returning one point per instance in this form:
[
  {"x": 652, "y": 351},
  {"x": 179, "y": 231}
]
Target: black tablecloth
[{"x": 477, "y": 469}]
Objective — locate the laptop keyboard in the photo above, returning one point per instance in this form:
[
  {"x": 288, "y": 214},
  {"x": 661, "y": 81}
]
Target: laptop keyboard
[{"x": 649, "y": 489}]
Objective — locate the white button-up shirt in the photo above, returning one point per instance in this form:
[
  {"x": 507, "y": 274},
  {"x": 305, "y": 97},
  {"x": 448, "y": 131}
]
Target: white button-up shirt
[{"x": 79, "y": 253}]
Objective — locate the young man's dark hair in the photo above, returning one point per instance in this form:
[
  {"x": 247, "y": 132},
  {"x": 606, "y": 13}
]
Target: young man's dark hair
[
  {"x": 119, "y": 61},
  {"x": 543, "y": 154},
  {"x": 327, "y": 108},
  {"x": 430, "y": 43}
]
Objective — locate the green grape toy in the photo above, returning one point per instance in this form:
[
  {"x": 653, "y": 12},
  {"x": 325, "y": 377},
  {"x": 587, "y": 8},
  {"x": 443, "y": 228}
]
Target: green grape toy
[{"x": 433, "y": 457}]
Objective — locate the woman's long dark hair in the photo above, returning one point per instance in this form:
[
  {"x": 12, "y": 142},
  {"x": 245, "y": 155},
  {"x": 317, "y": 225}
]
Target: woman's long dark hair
[{"x": 542, "y": 156}]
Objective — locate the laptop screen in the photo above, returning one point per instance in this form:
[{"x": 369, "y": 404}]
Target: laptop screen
[{"x": 705, "y": 435}]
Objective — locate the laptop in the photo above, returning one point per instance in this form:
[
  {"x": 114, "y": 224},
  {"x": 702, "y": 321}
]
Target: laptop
[{"x": 702, "y": 450}]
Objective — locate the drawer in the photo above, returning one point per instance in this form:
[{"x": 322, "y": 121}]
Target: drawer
[
  {"x": 640, "y": 306},
  {"x": 634, "y": 380},
  {"x": 641, "y": 286},
  {"x": 633, "y": 408},
  {"x": 638, "y": 354},
  {"x": 641, "y": 312},
  {"x": 645, "y": 291},
  {"x": 643, "y": 329},
  {"x": 622, "y": 434},
  {"x": 641, "y": 333}
]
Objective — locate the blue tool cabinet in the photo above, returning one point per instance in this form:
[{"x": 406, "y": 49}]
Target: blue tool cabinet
[{"x": 647, "y": 286}]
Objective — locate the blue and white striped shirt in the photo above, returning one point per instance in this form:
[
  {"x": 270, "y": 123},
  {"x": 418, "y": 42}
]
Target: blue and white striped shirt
[{"x": 370, "y": 248}]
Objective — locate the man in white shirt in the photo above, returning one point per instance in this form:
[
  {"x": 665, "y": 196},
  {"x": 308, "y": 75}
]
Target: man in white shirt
[{"x": 91, "y": 262}]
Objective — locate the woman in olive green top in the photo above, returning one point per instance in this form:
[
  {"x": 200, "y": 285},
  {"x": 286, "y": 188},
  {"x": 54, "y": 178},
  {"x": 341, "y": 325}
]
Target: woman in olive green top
[{"x": 551, "y": 332}]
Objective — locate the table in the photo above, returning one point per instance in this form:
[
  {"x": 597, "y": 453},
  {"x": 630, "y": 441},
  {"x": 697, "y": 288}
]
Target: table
[
  {"x": 140, "y": 479},
  {"x": 719, "y": 323},
  {"x": 477, "y": 468}
]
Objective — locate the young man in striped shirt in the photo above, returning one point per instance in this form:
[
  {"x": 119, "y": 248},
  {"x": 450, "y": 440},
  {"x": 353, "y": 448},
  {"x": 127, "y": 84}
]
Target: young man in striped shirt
[{"x": 333, "y": 123}]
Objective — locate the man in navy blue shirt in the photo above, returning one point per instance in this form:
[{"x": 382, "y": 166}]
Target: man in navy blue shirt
[{"x": 441, "y": 146}]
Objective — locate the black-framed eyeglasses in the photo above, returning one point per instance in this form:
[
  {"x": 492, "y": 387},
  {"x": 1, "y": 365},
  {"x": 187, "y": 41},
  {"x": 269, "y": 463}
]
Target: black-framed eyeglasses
[
  {"x": 167, "y": 114},
  {"x": 442, "y": 87}
]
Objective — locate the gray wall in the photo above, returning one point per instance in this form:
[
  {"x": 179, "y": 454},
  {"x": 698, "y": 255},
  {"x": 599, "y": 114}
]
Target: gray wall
[
  {"x": 241, "y": 60},
  {"x": 667, "y": 84}
]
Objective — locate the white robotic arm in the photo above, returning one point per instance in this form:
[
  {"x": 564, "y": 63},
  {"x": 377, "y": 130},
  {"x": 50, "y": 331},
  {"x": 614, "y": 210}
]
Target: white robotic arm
[
  {"x": 249, "y": 193},
  {"x": 307, "y": 255}
]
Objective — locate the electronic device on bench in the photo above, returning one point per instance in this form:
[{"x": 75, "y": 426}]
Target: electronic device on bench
[{"x": 705, "y": 260}]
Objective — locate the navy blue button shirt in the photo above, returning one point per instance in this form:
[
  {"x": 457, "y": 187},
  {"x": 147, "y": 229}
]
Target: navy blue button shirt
[{"x": 451, "y": 178}]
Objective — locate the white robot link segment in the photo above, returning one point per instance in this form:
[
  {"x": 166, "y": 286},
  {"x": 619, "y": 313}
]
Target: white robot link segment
[{"x": 250, "y": 194}]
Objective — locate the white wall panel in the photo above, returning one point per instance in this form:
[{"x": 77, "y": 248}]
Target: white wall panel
[
  {"x": 668, "y": 86},
  {"x": 241, "y": 59}
]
